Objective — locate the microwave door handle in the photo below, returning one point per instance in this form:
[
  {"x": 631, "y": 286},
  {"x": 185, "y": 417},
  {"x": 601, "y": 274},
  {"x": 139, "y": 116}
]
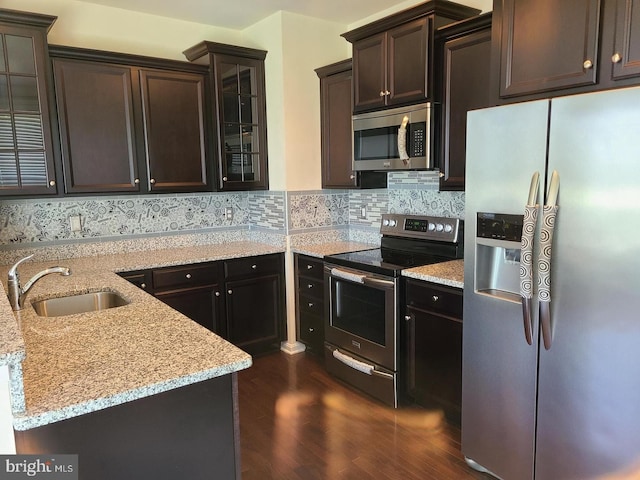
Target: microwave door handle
[{"x": 402, "y": 141}]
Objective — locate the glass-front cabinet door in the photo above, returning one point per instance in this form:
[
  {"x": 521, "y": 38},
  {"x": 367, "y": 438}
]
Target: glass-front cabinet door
[
  {"x": 242, "y": 123},
  {"x": 26, "y": 153}
]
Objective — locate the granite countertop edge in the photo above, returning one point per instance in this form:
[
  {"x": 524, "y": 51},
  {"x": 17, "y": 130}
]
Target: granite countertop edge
[
  {"x": 27, "y": 422},
  {"x": 449, "y": 273}
]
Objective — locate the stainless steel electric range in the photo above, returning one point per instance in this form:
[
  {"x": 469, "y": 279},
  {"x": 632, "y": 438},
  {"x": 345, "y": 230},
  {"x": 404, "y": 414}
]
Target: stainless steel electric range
[{"x": 362, "y": 301}]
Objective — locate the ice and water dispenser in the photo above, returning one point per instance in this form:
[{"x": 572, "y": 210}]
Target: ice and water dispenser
[{"x": 497, "y": 256}]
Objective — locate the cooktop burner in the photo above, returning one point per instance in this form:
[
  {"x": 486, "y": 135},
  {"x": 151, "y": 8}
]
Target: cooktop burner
[{"x": 408, "y": 241}]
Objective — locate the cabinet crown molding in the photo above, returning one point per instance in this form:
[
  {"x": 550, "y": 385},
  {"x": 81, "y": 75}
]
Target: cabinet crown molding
[
  {"x": 203, "y": 48},
  {"x": 441, "y": 8},
  {"x": 17, "y": 17}
]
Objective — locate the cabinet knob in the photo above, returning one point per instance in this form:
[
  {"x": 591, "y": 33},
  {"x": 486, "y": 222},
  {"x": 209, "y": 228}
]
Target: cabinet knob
[
  {"x": 407, "y": 317},
  {"x": 224, "y": 179},
  {"x": 254, "y": 266},
  {"x": 616, "y": 58},
  {"x": 152, "y": 181},
  {"x": 435, "y": 298},
  {"x": 587, "y": 64},
  {"x": 310, "y": 305},
  {"x": 143, "y": 285},
  {"x": 229, "y": 291},
  {"x": 217, "y": 294},
  {"x": 188, "y": 275},
  {"x": 352, "y": 177},
  {"x": 311, "y": 329},
  {"x": 309, "y": 267},
  {"x": 309, "y": 285},
  {"x": 387, "y": 92},
  {"x": 52, "y": 183},
  {"x": 136, "y": 181},
  {"x": 381, "y": 93}
]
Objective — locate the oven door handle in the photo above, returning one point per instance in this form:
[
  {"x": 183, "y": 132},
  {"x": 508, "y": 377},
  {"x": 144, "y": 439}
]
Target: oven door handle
[
  {"x": 359, "y": 365},
  {"x": 344, "y": 275},
  {"x": 377, "y": 282}
]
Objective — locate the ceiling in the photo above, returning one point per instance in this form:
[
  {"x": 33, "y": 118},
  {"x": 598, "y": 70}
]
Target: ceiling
[{"x": 239, "y": 14}]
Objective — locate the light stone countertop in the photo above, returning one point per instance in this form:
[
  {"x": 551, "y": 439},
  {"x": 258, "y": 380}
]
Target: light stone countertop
[
  {"x": 331, "y": 248},
  {"x": 446, "y": 273},
  {"x": 86, "y": 362}
]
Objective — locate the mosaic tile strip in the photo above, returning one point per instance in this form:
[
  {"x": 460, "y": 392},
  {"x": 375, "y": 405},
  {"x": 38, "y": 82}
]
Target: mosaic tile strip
[
  {"x": 317, "y": 209},
  {"x": 267, "y": 210},
  {"x": 421, "y": 179}
]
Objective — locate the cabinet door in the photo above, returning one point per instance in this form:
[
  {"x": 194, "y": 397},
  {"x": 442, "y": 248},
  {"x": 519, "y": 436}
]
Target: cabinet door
[
  {"x": 407, "y": 62},
  {"x": 369, "y": 72},
  {"x": 435, "y": 361},
  {"x": 254, "y": 313},
  {"x": 466, "y": 86},
  {"x": 336, "y": 111},
  {"x": 95, "y": 112},
  {"x": 26, "y": 147},
  {"x": 174, "y": 112},
  {"x": 546, "y": 45},
  {"x": 200, "y": 304},
  {"x": 626, "y": 54},
  {"x": 242, "y": 117}
]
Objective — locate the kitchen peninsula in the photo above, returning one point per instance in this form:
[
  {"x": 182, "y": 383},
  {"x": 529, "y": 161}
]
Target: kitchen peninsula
[{"x": 134, "y": 390}]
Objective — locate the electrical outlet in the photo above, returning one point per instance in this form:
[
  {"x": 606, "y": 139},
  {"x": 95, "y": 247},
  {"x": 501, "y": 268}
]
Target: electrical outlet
[
  {"x": 228, "y": 213},
  {"x": 75, "y": 223},
  {"x": 363, "y": 211}
]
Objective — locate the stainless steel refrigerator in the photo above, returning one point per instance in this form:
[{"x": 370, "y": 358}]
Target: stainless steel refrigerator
[{"x": 565, "y": 406}]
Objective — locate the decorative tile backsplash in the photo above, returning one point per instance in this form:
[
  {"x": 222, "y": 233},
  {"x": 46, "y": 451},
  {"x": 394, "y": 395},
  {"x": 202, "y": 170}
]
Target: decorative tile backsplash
[{"x": 347, "y": 214}]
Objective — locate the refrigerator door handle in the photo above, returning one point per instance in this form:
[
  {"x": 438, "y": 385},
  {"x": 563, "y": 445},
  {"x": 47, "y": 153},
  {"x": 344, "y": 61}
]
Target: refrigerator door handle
[
  {"x": 526, "y": 255},
  {"x": 549, "y": 212}
]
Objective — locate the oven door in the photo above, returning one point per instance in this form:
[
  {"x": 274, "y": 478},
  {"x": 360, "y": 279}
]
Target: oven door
[{"x": 360, "y": 314}]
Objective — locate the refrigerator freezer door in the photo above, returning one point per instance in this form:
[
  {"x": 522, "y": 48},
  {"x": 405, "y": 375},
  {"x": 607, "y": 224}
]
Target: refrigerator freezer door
[
  {"x": 589, "y": 381},
  {"x": 505, "y": 146}
]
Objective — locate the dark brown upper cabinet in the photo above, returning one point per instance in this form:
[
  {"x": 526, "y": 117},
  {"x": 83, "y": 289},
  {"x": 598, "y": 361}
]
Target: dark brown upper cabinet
[
  {"x": 174, "y": 115},
  {"x": 237, "y": 77},
  {"x": 621, "y": 40},
  {"x": 130, "y": 123},
  {"x": 546, "y": 45},
  {"x": 26, "y": 128},
  {"x": 463, "y": 51},
  {"x": 393, "y": 57}
]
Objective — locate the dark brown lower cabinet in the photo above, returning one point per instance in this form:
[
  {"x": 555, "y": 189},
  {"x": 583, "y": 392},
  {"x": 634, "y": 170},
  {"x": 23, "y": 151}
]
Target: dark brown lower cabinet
[
  {"x": 309, "y": 272},
  {"x": 433, "y": 347},
  {"x": 242, "y": 299},
  {"x": 189, "y": 432}
]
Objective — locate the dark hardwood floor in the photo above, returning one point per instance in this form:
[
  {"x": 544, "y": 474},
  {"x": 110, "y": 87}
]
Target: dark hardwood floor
[{"x": 299, "y": 423}]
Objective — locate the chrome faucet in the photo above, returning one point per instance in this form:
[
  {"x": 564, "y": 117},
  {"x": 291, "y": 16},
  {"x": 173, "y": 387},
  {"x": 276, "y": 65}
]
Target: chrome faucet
[{"x": 17, "y": 293}]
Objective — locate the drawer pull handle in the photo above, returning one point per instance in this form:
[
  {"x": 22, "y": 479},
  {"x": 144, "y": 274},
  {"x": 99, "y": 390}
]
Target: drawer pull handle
[
  {"x": 309, "y": 267},
  {"x": 188, "y": 275},
  {"x": 310, "y": 305},
  {"x": 311, "y": 329},
  {"x": 435, "y": 298},
  {"x": 309, "y": 285},
  {"x": 254, "y": 266}
]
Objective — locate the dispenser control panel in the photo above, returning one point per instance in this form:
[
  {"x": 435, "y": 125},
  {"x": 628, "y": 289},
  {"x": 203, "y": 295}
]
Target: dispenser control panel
[{"x": 500, "y": 226}]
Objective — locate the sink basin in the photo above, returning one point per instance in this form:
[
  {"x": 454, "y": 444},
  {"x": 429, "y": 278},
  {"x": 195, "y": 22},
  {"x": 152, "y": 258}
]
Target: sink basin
[{"x": 88, "y": 302}]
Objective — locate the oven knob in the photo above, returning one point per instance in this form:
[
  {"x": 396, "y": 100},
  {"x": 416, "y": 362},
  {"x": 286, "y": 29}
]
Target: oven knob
[
  {"x": 385, "y": 222},
  {"x": 448, "y": 228},
  {"x": 439, "y": 227},
  {"x": 431, "y": 227},
  {"x": 392, "y": 223}
]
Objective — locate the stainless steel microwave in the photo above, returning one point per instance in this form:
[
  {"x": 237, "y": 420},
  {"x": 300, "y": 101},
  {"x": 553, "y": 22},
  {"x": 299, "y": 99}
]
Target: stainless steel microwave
[{"x": 395, "y": 139}]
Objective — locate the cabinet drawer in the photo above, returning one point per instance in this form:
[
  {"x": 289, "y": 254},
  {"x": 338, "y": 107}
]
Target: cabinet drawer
[
  {"x": 434, "y": 298},
  {"x": 312, "y": 287},
  {"x": 185, "y": 276},
  {"x": 140, "y": 278},
  {"x": 310, "y": 304},
  {"x": 309, "y": 267},
  {"x": 240, "y": 267},
  {"x": 311, "y": 329}
]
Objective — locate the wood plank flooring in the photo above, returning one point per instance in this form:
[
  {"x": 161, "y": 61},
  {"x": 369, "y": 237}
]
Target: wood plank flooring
[{"x": 299, "y": 423}]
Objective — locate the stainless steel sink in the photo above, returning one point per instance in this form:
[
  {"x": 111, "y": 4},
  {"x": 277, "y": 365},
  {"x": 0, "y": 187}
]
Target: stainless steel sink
[{"x": 88, "y": 302}]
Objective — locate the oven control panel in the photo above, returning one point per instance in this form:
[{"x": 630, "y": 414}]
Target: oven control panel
[{"x": 426, "y": 227}]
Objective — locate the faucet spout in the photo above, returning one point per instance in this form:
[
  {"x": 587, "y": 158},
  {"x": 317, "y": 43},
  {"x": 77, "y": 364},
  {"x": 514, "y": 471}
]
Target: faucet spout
[{"x": 17, "y": 293}]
